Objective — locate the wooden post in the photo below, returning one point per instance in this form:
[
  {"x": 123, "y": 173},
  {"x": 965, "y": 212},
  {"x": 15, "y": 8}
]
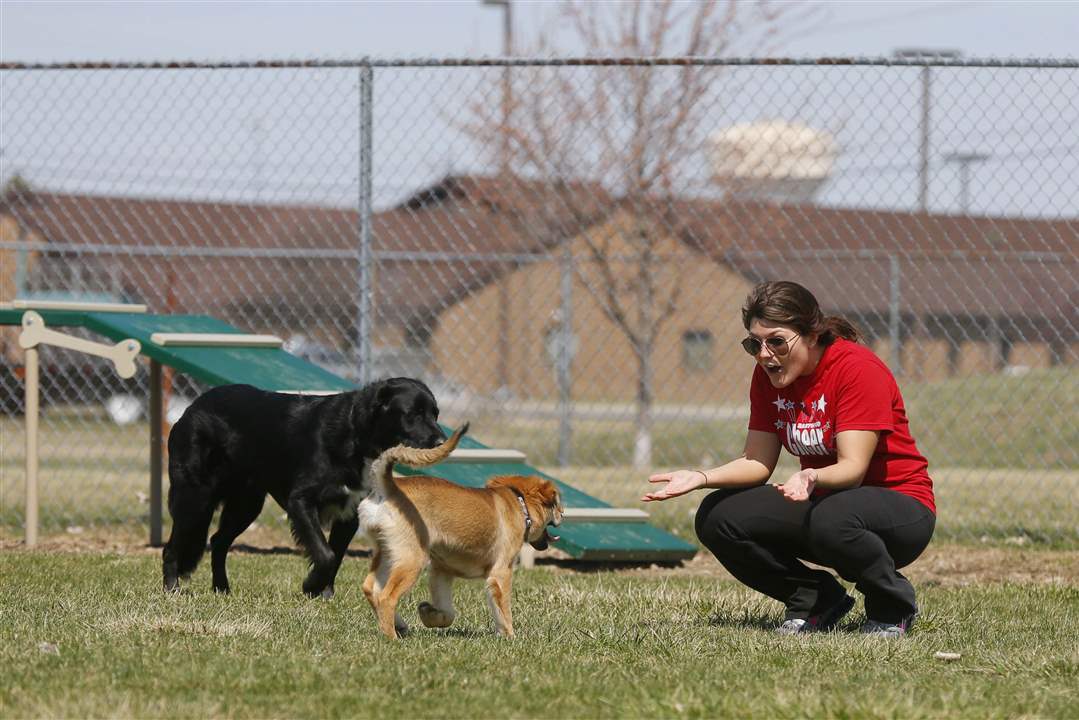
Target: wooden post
[
  {"x": 157, "y": 420},
  {"x": 31, "y": 445}
]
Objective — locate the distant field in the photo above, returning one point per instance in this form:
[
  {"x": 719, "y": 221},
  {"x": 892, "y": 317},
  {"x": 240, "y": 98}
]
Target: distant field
[
  {"x": 987, "y": 421},
  {"x": 1004, "y": 454}
]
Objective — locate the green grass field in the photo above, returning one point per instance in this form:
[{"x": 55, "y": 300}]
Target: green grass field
[{"x": 91, "y": 635}]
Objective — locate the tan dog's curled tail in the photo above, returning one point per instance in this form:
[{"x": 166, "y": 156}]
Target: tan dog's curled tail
[{"x": 382, "y": 469}]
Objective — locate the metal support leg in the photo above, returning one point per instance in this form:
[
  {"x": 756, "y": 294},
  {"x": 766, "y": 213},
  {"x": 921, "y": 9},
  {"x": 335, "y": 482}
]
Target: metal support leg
[
  {"x": 31, "y": 445},
  {"x": 156, "y": 438}
]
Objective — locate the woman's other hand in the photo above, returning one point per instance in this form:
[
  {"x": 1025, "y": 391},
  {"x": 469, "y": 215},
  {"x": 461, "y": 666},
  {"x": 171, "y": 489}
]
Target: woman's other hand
[
  {"x": 800, "y": 485},
  {"x": 678, "y": 482}
]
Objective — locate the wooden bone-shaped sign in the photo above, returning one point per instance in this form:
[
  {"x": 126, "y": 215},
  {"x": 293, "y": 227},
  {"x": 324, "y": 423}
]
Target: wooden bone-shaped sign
[{"x": 122, "y": 354}]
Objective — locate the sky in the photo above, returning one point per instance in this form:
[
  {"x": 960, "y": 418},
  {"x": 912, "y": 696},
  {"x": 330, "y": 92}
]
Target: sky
[
  {"x": 286, "y": 140},
  {"x": 42, "y": 31}
]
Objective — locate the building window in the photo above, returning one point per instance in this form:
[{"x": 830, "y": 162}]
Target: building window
[{"x": 698, "y": 350}]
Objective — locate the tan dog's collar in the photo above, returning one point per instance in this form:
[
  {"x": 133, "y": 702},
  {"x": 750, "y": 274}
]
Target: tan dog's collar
[{"x": 524, "y": 507}]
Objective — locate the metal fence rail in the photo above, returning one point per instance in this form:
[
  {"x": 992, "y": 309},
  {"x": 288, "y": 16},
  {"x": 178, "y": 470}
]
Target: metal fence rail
[{"x": 561, "y": 248}]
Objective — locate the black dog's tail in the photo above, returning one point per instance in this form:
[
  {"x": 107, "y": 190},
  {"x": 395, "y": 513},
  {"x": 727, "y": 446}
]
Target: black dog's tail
[
  {"x": 191, "y": 503},
  {"x": 382, "y": 469},
  {"x": 192, "y": 511}
]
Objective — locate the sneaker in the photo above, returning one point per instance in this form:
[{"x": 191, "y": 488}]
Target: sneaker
[
  {"x": 875, "y": 628},
  {"x": 791, "y": 627},
  {"x": 821, "y": 622}
]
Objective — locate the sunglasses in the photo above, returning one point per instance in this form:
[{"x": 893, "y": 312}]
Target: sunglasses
[{"x": 776, "y": 345}]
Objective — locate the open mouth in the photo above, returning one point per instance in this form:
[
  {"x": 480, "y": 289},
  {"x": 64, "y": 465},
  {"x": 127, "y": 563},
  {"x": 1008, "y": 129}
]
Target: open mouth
[
  {"x": 772, "y": 368},
  {"x": 542, "y": 542}
]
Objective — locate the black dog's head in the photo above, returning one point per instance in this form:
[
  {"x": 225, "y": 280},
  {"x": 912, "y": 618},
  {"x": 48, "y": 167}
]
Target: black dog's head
[{"x": 401, "y": 411}]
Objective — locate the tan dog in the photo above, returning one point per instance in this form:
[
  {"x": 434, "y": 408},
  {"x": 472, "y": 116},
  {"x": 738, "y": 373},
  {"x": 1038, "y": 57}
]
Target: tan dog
[{"x": 463, "y": 532}]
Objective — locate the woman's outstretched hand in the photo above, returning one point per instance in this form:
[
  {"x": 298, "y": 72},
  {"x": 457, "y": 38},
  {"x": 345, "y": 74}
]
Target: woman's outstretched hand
[
  {"x": 678, "y": 482},
  {"x": 800, "y": 485}
]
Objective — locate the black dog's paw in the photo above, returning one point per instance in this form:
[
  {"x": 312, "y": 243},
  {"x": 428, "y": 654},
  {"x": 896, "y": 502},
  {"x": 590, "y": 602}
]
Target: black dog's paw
[
  {"x": 319, "y": 580},
  {"x": 317, "y": 587},
  {"x": 223, "y": 589}
]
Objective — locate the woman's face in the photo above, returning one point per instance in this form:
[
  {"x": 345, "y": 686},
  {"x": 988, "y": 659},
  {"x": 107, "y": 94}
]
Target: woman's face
[{"x": 784, "y": 354}]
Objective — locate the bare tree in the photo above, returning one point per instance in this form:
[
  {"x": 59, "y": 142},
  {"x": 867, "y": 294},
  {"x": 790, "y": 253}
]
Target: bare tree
[{"x": 631, "y": 131}]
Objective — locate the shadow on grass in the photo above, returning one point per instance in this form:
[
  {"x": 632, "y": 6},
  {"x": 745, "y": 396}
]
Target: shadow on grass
[
  {"x": 769, "y": 623},
  {"x": 466, "y": 633},
  {"x": 285, "y": 550},
  {"x": 597, "y": 566},
  {"x": 730, "y": 620},
  {"x": 583, "y": 566}
]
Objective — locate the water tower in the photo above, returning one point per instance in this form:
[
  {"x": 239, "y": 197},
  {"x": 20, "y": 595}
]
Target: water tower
[{"x": 772, "y": 160}]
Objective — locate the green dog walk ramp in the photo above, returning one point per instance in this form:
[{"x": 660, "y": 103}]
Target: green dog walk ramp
[
  {"x": 607, "y": 540},
  {"x": 269, "y": 368},
  {"x": 200, "y": 346}
]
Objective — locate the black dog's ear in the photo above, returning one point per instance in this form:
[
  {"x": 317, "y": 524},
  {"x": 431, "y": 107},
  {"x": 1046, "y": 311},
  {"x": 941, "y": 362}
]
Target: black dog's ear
[
  {"x": 384, "y": 395},
  {"x": 359, "y": 415}
]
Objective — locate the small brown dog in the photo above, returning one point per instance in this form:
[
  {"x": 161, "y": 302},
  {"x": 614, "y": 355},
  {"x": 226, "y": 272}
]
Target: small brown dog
[{"x": 463, "y": 532}]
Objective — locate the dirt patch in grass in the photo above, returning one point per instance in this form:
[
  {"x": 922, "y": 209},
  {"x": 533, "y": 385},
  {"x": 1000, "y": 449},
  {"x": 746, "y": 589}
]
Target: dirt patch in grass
[
  {"x": 948, "y": 565},
  {"x": 958, "y": 565},
  {"x": 945, "y": 564}
]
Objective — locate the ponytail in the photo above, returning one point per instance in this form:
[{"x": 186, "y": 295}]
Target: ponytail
[{"x": 834, "y": 327}]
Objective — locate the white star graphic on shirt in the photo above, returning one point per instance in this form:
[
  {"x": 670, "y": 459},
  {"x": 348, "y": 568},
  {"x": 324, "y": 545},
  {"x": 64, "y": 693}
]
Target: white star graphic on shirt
[
  {"x": 779, "y": 424},
  {"x": 780, "y": 404},
  {"x": 820, "y": 404}
]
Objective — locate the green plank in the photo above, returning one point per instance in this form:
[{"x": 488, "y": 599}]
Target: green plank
[
  {"x": 266, "y": 368},
  {"x": 636, "y": 541},
  {"x": 53, "y": 318},
  {"x": 477, "y": 475}
]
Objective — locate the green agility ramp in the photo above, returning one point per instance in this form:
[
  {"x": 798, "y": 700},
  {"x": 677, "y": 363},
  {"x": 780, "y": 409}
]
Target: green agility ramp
[
  {"x": 216, "y": 353},
  {"x": 591, "y": 530},
  {"x": 267, "y": 367}
]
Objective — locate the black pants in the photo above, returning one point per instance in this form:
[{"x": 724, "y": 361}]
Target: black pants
[{"x": 865, "y": 533}]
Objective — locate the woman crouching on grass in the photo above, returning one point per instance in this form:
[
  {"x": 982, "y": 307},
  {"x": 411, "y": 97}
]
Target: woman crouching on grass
[{"x": 862, "y": 502}]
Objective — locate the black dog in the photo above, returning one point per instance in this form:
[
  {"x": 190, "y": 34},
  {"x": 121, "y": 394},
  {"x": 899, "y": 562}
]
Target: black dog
[{"x": 237, "y": 443}]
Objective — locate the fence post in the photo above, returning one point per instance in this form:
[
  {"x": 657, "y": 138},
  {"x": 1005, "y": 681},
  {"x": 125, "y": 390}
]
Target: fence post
[
  {"x": 565, "y": 359},
  {"x": 364, "y": 319},
  {"x": 895, "y": 328}
]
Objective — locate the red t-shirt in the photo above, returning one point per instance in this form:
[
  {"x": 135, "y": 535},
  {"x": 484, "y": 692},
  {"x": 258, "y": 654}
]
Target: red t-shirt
[{"x": 851, "y": 389}]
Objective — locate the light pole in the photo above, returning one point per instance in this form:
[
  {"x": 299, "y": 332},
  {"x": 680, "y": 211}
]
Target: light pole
[
  {"x": 965, "y": 159},
  {"x": 502, "y": 369},
  {"x": 507, "y": 86},
  {"x": 927, "y": 55}
]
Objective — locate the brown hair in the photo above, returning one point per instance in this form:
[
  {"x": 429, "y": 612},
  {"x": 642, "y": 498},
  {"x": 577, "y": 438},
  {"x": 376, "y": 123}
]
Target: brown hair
[{"x": 788, "y": 303}]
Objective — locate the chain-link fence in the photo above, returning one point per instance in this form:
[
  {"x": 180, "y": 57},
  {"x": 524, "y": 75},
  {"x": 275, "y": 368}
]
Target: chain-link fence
[{"x": 560, "y": 249}]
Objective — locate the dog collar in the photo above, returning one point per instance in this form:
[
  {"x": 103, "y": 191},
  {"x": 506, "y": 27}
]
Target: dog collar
[{"x": 524, "y": 508}]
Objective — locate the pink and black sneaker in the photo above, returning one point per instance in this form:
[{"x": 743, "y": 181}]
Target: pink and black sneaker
[
  {"x": 821, "y": 622},
  {"x": 876, "y": 628}
]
